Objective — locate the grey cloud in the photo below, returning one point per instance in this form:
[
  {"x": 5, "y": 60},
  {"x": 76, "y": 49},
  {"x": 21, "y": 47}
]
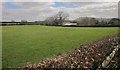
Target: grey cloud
[
  {"x": 28, "y": 11},
  {"x": 41, "y": 10}
]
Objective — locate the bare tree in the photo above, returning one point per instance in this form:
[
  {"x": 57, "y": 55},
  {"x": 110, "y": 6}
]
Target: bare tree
[{"x": 57, "y": 19}]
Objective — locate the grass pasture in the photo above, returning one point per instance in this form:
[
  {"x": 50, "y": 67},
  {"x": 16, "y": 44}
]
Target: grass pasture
[{"x": 22, "y": 44}]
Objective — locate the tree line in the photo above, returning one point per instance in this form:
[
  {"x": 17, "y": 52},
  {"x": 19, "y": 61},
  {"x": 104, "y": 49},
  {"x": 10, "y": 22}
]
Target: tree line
[{"x": 62, "y": 17}]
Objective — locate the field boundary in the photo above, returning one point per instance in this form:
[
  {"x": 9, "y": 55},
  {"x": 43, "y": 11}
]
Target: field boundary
[{"x": 106, "y": 62}]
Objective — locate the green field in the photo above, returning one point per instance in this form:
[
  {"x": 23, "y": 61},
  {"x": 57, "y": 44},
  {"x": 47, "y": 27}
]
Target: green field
[{"x": 22, "y": 44}]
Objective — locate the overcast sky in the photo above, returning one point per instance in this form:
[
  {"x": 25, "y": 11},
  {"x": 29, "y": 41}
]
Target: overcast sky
[{"x": 38, "y": 10}]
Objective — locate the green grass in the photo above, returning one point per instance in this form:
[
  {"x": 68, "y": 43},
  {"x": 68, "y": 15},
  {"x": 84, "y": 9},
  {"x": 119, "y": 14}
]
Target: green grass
[
  {"x": 0, "y": 47},
  {"x": 22, "y": 44}
]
